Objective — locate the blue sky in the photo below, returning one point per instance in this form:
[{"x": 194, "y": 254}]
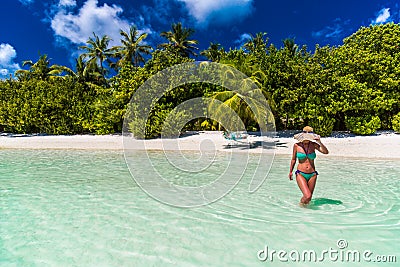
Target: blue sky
[{"x": 57, "y": 28}]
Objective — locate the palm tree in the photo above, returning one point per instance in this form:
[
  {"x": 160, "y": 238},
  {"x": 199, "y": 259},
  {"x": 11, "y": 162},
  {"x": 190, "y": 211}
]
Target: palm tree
[
  {"x": 178, "y": 39},
  {"x": 257, "y": 43},
  {"x": 132, "y": 47},
  {"x": 248, "y": 100},
  {"x": 85, "y": 73},
  {"x": 214, "y": 52},
  {"x": 290, "y": 46},
  {"x": 97, "y": 51},
  {"x": 248, "y": 104},
  {"x": 40, "y": 69}
]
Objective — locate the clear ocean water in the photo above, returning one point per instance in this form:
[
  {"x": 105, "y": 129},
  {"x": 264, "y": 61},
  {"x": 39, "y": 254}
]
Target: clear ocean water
[{"x": 83, "y": 208}]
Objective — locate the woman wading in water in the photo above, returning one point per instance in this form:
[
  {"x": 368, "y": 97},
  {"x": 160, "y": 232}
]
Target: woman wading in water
[{"x": 304, "y": 151}]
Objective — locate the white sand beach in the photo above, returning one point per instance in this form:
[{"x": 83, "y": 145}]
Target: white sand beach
[{"x": 385, "y": 145}]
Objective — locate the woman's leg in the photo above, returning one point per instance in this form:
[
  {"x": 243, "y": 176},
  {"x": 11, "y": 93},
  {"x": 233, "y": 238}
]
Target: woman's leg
[
  {"x": 311, "y": 184},
  {"x": 304, "y": 187}
]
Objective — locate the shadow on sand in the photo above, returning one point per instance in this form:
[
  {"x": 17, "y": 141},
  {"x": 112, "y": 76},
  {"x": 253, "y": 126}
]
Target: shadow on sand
[{"x": 256, "y": 144}]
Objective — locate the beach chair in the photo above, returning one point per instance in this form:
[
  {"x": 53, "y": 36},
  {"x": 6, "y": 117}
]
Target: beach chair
[{"x": 236, "y": 138}]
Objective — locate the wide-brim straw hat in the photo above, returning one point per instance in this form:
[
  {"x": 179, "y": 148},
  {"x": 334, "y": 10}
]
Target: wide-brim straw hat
[{"x": 305, "y": 136}]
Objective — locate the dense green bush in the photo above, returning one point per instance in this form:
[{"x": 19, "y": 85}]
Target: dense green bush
[
  {"x": 322, "y": 125},
  {"x": 363, "y": 125},
  {"x": 52, "y": 107},
  {"x": 396, "y": 123}
]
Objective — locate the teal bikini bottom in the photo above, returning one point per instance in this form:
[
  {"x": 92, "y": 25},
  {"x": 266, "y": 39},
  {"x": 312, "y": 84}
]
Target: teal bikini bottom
[{"x": 306, "y": 176}]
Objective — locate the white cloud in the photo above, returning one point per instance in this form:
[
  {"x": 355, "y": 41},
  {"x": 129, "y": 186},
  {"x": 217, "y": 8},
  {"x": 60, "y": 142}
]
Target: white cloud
[
  {"x": 244, "y": 38},
  {"x": 383, "y": 16},
  {"x": 78, "y": 27},
  {"x": 337, "y": 30},
  {"x": 67, "y": 3},
  {"x": 218, "y": 11},
  {"x": 7, "y": 56},
  {"x": 26, "y": 2},
  {"x": 7, "y": 53}
]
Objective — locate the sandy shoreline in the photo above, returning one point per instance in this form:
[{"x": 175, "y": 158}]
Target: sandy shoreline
[{"x": 378, "y": 146}]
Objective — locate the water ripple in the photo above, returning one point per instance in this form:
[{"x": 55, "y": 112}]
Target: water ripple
[{"x": 77, "y": 208}]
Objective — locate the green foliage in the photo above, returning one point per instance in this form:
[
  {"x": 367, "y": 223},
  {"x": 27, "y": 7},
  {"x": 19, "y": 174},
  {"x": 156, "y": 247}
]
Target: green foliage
[
  {"x": 214, "y": 52},
  {"x": 178, "y": 40},
  {"x": 39, "y": 70},
  {"x": 131, "y": 50},
  {"x": 368, "y": 64},
  {"x": 36, "y": 106},
  {"x": 363, "y": 125},
  {"x": 396, "y": 123},
  {"x": 97, "y": 52},
  {"x": 323, "y": 125},
  {"x": 332, "y": 88},
  {"x": 131, "y": 78}
]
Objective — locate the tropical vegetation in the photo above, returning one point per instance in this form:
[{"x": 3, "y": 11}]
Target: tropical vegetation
[{"x": 352, "y": 87}]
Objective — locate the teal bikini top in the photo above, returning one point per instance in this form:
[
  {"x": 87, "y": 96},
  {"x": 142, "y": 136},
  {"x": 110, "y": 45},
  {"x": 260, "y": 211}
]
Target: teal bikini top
[{"x": 301, "y": 155}]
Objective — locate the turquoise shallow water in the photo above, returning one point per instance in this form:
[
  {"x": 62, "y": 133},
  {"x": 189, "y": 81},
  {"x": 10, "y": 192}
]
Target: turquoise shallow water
[{"x": 82, "y": 208}]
